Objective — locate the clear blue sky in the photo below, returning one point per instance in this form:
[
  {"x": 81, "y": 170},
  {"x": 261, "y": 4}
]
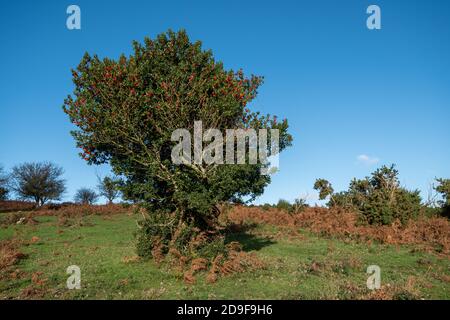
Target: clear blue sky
[{"x": 347, "y": 91}]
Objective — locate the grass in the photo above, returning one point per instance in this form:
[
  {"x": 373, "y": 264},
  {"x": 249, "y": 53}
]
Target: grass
[{"x": 298, "y": 266}]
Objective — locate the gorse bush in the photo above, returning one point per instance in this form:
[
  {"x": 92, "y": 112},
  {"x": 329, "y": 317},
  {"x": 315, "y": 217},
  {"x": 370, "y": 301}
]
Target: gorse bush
[
  {"x": 379, "y": 198},
  {"x": 380, "y": 207},
  {"x": 283, "y": 205},
  {"x": 297, "y": 206},
  {"x": 156, "y": 229},
  {"x": 159, "y": 233}
]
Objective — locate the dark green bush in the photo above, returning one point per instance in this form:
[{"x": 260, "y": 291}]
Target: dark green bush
[
  {"x": 446, "y": 212},
  {"x": 379, "y": 198},
  {"x": 157, "y": 227},
  {"x": 283, "y": 205},
  {"x": 166, "y": 232},
  {"x": 298, "y": 206},
  {"x": 212, "y": 248},
  {"x": 443, "y": 188},
  {"x": 382, "y": 208}
]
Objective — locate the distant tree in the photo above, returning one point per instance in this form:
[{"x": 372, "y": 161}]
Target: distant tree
[
  {"x": 38, "y": 181},
  {"x": 266, "y": 206},
  {"x": 324, "y": 187},
  {"x": 108, "y": 187},
  {"x": 299, "y": 205},
  {"x": 443, "y": 188},
  {"x": 283, "y": 205},
  {"x": 85, "y": 196},
  {"x": 3, "y": 185}
]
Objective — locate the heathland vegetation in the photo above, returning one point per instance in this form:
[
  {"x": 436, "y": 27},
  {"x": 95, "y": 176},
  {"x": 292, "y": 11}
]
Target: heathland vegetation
[
  {"x": 319, "y": 247},
  {"x": 187, "y": 230}
]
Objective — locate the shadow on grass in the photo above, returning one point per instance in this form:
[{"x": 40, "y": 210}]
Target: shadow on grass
[{"x": 248, "y": 241}]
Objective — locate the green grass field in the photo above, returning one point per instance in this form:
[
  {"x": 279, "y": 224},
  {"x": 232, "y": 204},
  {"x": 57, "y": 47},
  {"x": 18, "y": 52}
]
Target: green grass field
[{"x": 302, "y": 266}]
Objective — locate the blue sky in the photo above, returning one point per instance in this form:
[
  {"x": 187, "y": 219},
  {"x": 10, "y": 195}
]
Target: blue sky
[{"x": 346, "y": 90}]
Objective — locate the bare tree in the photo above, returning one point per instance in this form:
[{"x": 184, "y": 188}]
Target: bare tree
[
  {"x": 39, "y": 181},
  {"x": 85, "y": 196},
  {"x": 300, "y": 204},
  {"x": 108, "y": 187},
  {"x": 432, "y": 196}
]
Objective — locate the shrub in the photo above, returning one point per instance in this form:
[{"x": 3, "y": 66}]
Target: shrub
[
  {"x": 298, "y": 206},
  {"x": 13, "y": 206},
  {"x": 156, "y": 228},
  {"x": 160, "y": 232},
  {"x": 213, "y": 248},
  {"x": 446, "y": 211},
  {"x": 341, "y": 200},
  {"x": 10, "y": 254},
  {"x": 379, "y": 198},
  {"x": 381, "y": 208},
  {"x": 15, "y": 218},
  {"x": 75, "y": 210},
  {"x": 283, "y": 205},
  {"x": 168, "y": 83}
]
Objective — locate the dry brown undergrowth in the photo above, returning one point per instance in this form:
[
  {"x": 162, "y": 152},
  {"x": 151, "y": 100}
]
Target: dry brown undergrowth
[
  {"x": 10, "y": 254},
  {"x": 431, "y": 233},
  {"x": 234, "y": 261}
]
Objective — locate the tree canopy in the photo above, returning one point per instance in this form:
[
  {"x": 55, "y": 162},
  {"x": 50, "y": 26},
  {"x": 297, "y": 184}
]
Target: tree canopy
[
  {"x": 38, "y": 181},
  {"x": 108, "y": 187},
  {"x": 85, "y": 196},
  {"x": 126, "y": 111}
]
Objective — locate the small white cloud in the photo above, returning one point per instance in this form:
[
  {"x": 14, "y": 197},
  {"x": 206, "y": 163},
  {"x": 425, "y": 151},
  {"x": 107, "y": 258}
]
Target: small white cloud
[{"x": 367, "y": 160}]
